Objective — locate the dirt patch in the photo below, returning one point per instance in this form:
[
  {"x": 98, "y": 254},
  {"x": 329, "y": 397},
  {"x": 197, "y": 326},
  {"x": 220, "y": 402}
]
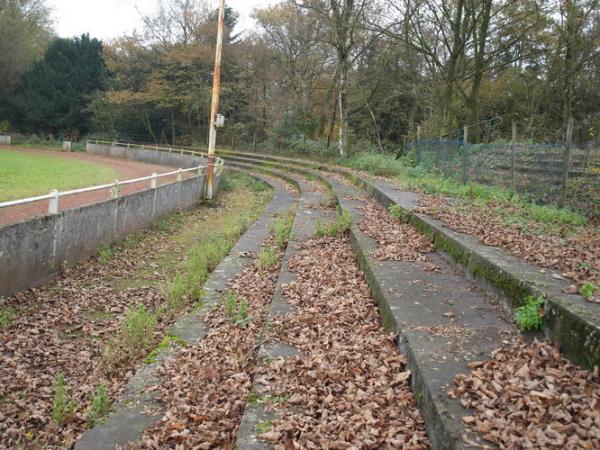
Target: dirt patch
[{"x": 528, "y": 396}]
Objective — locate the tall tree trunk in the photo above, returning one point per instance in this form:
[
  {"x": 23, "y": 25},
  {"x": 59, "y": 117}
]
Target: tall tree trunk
[
  {"x": 332, "y": 120},
  {"x": 343, "y": 135}
]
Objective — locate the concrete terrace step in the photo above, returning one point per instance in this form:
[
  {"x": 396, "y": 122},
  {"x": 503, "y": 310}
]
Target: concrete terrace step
[
  {"x": 571, "y": 323},
  {"x": 303, "y": 228},
  {"x": 138, "y": 409},
  {"x": 416, "y": 304}
]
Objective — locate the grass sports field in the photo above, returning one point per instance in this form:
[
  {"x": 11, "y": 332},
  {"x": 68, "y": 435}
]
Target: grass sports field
[{"x": 28, "y": 174}]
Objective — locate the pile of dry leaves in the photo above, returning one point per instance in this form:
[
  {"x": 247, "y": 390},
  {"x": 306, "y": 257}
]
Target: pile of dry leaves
[
  {"x": 348, "y": 387},
  {"x": 528, "y": 396},
  {"x": 576, "y": 256},
  {"x": 204, "y": 387},
  {"x": 61, "y": 328},
  {"x": 395, "y": 241}
]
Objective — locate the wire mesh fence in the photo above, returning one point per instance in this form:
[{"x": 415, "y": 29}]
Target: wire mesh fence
[{"x": 534, "y": 171}]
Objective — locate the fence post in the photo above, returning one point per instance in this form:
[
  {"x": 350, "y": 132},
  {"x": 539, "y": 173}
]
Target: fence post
[
  {"x": 199, "y": 171},
  {"x": 566, "y": 164},
  {"x": 418, "y": 146},
  {"x": 466, "y": 155},
  {"x": 154, "y": 181},
  {"x": 114, "y": 190},
  {"x": 513, "y": 157},
  {"x": 53, "y": 202},
  {"x": 179, "y": 174}
]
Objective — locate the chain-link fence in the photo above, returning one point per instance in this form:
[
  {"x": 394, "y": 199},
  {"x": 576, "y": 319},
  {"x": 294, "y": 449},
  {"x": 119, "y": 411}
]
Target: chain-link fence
[{"x": 534, "y": 171}]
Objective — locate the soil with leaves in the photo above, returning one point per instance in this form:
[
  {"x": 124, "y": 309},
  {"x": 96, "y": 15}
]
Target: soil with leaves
[
  {"x": 528, "y": 396},
  {"x": 55, "y": 370},
  {"x": 204, "y": 387},
  {"x": 348, "y": 387},
  {"x": 576, "y": 254},
  {"x": 395, "y": 241}
]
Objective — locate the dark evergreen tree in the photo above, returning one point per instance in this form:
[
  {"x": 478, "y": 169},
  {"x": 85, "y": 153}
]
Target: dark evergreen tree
[{"x": 53, "y": 95}]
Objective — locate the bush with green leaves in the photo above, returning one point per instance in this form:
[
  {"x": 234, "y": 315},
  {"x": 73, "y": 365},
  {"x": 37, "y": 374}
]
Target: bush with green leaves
[{"x": 530, "y": 316}]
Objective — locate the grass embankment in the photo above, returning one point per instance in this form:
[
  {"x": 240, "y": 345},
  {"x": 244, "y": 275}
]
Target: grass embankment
[
  {"x": 26, "y": 174},
  {"x": 101, "y": 319}
]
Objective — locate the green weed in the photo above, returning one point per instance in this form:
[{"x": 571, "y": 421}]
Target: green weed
[
  {"x": 268, "y": 258},
  {"x": 263, "y": 426},
  {"x": 399, "y": 213},
  {"x": 588, "y": 290},
  {"x": 281, "y": 229},
  {"x": 230, "y": 305},
  {"x": 7, "y": 314},
  {"x": 336, "y": 227},
  {"x": 168, "y": 341},
  {"x": 64, "y": 405},
  {"x": 99, "y": 408},
  {"x": 134, "y": 337},
  {"x": 105, "y": 252},
  {"x": 530, "y": 316},
  {"x": 242, "y": 317}
]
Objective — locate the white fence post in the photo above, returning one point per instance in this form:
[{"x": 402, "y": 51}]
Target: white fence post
[
  {"x": 115, "y": 189},
  {"x": 179, "y": 175},
  {"x": 154, "y": 181},
  {"x": 53, "y": 202},
  {"x": 199, "y": 171}
]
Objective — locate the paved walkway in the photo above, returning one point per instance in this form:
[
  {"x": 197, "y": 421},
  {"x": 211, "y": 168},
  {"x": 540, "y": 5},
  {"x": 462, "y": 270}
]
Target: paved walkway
[{"x": 126, "y": 169}]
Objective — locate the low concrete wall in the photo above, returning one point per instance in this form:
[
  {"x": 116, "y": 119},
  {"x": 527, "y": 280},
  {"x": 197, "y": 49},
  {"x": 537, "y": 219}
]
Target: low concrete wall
[
  {"x": 173, "y": 159},
  {"x": 5, "y": 140},
  {"x": 34, "y": 250}
]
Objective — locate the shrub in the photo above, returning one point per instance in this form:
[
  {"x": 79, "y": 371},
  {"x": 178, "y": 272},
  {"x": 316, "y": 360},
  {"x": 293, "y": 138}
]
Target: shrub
[{"x": 530, "y": 316}]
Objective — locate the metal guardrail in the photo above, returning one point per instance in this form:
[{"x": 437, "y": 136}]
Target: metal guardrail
[{"x": 115, "y": 187}]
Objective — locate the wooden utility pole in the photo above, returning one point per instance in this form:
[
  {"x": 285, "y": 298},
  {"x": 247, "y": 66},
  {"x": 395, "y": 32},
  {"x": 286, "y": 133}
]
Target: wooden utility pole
[{"x": 214, "y": 106}]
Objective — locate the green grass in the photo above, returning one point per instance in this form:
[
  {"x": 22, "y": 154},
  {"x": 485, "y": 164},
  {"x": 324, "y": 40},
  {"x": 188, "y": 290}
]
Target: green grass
[
  {"x": 412, "y": 178},
  {"x": 282, "y": 227},
  {"x": 7, "y": 314},
  {"x": 25, "y": 175},
  {"x": 335, "y": 227},
  {"x": 168, "y": 341},
  {"x": 268, "y": 258},
  {"x": 99, "y": 408},
  {"x": 64, "y": 405}
]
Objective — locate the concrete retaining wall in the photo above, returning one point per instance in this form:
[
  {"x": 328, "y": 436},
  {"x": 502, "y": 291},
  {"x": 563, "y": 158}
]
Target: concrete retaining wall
[
  {"x": 174, "y": 159},
  {"x": 35, "y": 250}
]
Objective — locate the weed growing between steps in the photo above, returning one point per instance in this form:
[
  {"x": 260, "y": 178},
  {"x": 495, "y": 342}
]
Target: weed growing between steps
[
  {"x": 348, "y": 387},
  {"x": 530, "y": 316},
  {"x": 335, "y": 227},
  {"x": 528, "y": 396},
  {"x": 98, "y": 321},
  {"x": 204, "y": 387}
]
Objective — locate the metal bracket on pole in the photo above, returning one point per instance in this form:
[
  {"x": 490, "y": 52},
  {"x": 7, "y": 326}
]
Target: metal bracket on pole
[{"x": 53, "y": 202}]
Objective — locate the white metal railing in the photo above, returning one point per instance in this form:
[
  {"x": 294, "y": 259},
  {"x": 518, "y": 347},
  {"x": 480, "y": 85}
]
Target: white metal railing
[{"x": 115, "y": 187}]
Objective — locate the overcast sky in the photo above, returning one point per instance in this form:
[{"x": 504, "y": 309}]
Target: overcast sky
[{"x": 107, "y": 19}]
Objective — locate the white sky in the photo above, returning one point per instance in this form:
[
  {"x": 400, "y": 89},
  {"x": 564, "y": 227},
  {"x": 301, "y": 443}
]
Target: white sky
[{"x": 108, "y": 19}]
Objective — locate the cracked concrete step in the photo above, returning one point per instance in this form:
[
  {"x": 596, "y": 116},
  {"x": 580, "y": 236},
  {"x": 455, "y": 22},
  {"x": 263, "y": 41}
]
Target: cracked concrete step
[{"x": 137, "y": 409}]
